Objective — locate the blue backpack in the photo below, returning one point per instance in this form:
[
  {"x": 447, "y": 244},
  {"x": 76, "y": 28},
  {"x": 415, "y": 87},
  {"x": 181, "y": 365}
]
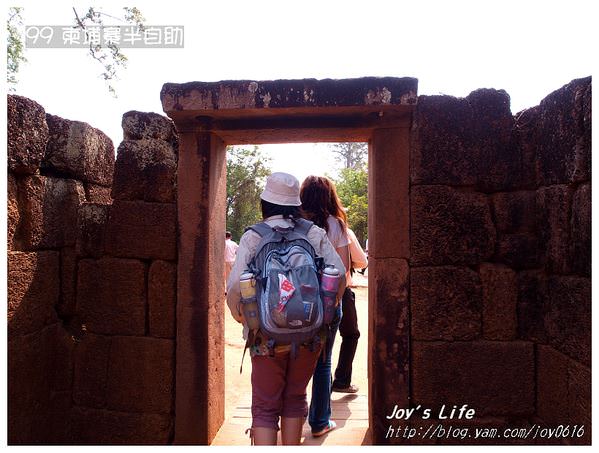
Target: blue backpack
[{"x": 287, "y": 271}]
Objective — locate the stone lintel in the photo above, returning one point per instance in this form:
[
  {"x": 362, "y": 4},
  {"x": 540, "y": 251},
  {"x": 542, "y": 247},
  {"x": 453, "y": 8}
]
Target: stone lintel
[{"x": 248, "y": 98}]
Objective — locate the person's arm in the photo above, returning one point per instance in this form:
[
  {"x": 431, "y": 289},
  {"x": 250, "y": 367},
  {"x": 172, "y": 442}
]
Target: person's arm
[{"x": 358, "y": 258}]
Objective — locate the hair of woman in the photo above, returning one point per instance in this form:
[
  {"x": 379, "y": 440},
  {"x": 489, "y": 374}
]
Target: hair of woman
[{"x": 319, "y": 200}]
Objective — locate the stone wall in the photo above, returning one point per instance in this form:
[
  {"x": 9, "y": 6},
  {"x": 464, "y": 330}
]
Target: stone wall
[
  {"x": 554, "y": 299},
  {"x": 500, "y": 257},
  {"x": 91, "y": 281},
  {"x": 498, "y": 271}
]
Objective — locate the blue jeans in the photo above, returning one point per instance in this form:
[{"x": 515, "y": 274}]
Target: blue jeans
[{"x": 320, "y": 404}]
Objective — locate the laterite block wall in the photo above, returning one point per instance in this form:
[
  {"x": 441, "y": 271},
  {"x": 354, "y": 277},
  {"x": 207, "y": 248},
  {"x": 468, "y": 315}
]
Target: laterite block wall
[
  {"x": 498, "y": 276},
  {"x": 91, "y": 279},
  {"x": 500, "y": 257}
]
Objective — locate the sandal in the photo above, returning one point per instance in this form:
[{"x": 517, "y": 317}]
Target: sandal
[{"x": 330, "y": 427}]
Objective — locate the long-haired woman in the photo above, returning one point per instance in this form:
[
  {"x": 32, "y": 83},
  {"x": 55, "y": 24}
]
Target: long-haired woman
[{"x": 321, "y": 205}]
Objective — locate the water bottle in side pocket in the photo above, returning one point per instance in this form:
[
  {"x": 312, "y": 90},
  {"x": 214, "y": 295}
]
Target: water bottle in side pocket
[
  {"x": 330, "y": 286},
  {"x": 247, "y": 284}
]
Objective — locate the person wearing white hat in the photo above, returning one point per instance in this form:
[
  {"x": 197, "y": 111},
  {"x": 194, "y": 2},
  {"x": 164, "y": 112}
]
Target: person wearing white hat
[{"x": 279, "y": 382}]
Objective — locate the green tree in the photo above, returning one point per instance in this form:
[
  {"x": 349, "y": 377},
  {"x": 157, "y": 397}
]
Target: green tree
[
  {"x": 14, "y": 46},
  {"x": 109, "y": 57},
  {"x": 350, "y": 154},
  {"x": 247, "y": 169},
  {"x": 352, "y": 188}
]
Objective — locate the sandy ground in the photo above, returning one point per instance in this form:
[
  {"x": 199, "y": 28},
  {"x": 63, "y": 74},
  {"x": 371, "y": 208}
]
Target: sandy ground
[{"x": 237, "y": 386}]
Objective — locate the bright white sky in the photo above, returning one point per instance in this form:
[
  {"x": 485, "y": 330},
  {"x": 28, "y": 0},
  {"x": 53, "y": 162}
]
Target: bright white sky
[{"x": 528, "y": 48}]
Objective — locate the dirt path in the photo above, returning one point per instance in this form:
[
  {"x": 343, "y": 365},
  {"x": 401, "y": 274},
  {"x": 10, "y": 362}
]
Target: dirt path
[{"x": 238, "y": 387}]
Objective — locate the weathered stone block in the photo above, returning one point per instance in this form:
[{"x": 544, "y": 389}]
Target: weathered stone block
[
  {"x": 141, "y": 375},
  {"x": 27, "y": 135},
  {"x": 111, "y": 296},
  {"x": 28, "y": 382},
  {"x": 563, "y": 137},
  {"x": 495, "y": 378},
  {"x": 62, "y": 358},
  {"x": 442, "y": 150},
  {"x": 142, "y": 230},
  {"x": 581, "y": 230},
  {"x": 143, "y": 125},
  {"x": 552, "y": 385},
  {"x": 91, "y": 370},
  {"x": 91, "y": 227},
  {"x": 162, "y": 299},
  {"x": 518, "y": 250},
  {"x": 466, "y": 141},
  {"x": 101, "y": 427},
  {"x": 97, "y": 194},
  {"x": 568, "y": 316},
  {"x": 279, "y": 94},
  {"x": 68, "y": 282},
  {"x": 532, "y": 295},
  {"x": 49, "y": 211},
  {"x": 59, "y": 426},
  {"x": 390, "y": 355},
  {"x": 579, "y": 400},
  {"x": 13, "y": 215},
  {"x": 563, "y": 395},
  {"x": 39, "y": 371},
  {"x": 33, "y": 287},
  {"x": 514, "y": 211},
  {"x": 449, "y": 227},
  {"x": 446, "y": 303},
  {"x": 500, "y": 300},
  {"x": 525, "y": 131},
  {"x": 79, "y": 151},
  {"x": 499, "y": 157},
  {"x": 389, "y": 189},
  {"x": 145, "y": 170},
  {"x": 553, "y": 208}
]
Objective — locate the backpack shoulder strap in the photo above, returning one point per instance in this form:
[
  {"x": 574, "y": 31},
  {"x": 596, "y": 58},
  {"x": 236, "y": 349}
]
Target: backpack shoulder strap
[
  {"x": 262, "y": 229},
  {"x": 302, "y": 226}
]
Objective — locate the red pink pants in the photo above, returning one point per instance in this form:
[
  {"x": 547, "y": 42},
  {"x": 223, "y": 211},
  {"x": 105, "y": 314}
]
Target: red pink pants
[{"x": 279, "y": 386}]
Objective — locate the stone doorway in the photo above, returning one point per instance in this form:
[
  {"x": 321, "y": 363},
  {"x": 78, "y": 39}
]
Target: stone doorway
[
  {"x": 210, "y": 116},
  {"x": 349, "y": 411}
]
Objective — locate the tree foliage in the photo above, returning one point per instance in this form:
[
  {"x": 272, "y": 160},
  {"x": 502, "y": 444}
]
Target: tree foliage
[
  {"x": 350, "y": 154},
  {"x": 352, "y": 188},
  {"x": 352, "y": 185},
  {"x": 109, "y": 56},
  {"x": 14, "y": 46},
  {"x": 247, "y": 169}
]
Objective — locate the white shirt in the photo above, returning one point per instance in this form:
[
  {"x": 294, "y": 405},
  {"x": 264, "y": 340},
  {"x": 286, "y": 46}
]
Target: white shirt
[
  {"x": 337, "y": 236},
  {"x": 230, "y": 250},
  {"x": 357, "y": 257},
  {"x": 247, "y": 250}
]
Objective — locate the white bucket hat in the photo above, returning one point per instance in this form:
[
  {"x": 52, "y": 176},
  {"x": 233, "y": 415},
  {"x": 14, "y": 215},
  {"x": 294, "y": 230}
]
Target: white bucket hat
[{"x": 282, "y": 189}]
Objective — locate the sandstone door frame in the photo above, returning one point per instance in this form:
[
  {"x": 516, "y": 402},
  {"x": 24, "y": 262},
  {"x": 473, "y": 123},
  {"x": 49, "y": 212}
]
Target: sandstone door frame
[{"x": 204, "y": 134}]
